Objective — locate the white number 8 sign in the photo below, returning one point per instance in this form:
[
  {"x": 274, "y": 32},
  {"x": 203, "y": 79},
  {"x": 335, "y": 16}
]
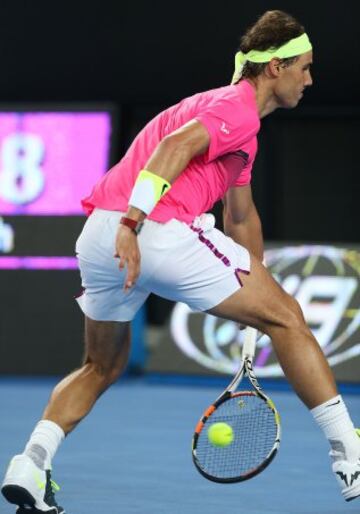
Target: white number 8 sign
[{"x": 21, "y": 177}]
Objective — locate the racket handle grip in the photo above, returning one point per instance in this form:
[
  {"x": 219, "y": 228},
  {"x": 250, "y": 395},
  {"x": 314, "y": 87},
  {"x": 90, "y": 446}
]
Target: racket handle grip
[{"x": 249, "y": 342}]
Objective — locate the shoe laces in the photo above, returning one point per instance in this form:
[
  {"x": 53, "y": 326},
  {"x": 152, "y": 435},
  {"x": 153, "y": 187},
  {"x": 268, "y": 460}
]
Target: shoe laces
[
  {"x": 55, "y": 487},
  {"x": 51, "y": 488}
]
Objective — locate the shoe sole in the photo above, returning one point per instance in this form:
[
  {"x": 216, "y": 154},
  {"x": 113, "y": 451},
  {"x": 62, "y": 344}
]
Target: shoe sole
[
  {"x": 353, "y": 493},
  {"x": 353, "y": 498},
  {"x": 24, "y": 510},
  {"x": 21, "y": 497},
  {"x": 18, "y": 496}
]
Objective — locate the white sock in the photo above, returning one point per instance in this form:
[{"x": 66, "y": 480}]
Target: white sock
[
  {"x": 334, "y": 420},
  {"x": 44, "y": 442}
]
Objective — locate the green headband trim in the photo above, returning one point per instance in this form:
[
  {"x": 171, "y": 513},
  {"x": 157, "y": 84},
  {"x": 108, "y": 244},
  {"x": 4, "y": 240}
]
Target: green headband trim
[{"x": 297, "y": 46}]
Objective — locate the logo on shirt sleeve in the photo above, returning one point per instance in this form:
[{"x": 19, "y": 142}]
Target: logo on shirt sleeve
[{"x": 224, "y": 128}]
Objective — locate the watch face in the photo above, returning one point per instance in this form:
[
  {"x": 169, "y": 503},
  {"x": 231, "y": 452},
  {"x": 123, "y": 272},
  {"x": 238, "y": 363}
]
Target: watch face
[{"x": 138, "y": 227}]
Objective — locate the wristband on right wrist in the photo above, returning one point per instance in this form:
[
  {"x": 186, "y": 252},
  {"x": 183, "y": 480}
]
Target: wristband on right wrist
[
  {"x": 148, "y": 190},
  {"x": 135, "y": 226}
]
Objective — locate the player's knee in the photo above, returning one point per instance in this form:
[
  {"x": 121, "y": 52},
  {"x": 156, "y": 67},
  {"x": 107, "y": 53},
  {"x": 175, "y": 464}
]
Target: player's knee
[
  {"x": 287, "y": 315},
  {"x": 106, "y": 373}
]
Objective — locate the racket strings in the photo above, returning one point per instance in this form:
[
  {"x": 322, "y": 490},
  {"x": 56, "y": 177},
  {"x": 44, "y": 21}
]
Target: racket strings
[{"x": 255, "y": 431}]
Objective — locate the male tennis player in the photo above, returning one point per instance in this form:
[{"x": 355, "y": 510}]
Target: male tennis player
[{"x": 181, "y": 163}]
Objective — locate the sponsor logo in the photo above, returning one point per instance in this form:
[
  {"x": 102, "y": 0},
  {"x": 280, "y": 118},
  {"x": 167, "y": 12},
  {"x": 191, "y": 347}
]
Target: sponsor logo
[
  {"x": 164, "y": 189},
  {"x": 332, "y": 404},
  {"x": 224, "y": 129},
  {"x": 345, "y": 477}
]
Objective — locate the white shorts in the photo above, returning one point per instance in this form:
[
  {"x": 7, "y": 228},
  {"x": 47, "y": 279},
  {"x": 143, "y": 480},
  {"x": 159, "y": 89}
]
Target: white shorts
[{"x": 196, "y": 264}]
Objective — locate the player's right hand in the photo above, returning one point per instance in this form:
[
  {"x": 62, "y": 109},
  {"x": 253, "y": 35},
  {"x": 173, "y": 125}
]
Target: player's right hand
[{"x": 127, "y": 250}]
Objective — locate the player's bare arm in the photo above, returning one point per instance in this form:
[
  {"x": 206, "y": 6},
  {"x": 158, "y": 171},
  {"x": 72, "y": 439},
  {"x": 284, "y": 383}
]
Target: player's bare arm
[
  {"x": 169, "y": 159},
  {"x": 175, "y": 151},
  {"x": 241, "y": 220}
]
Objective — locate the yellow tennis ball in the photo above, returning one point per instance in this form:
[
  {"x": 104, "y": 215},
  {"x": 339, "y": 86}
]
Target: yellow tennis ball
[
  {"x": 220, "y": 434},
  {"x": 358, "y": 431}
]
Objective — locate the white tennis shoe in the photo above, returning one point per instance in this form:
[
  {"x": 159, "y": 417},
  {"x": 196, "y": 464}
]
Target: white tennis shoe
[
  {"x": 29, "y": 487},
  {"x": 347, "y": 473},
  {"x": 348, "y": 477}
]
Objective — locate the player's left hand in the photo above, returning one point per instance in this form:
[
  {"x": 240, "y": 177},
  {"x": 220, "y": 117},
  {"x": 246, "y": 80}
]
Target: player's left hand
[{"x": 127, "y": 250}]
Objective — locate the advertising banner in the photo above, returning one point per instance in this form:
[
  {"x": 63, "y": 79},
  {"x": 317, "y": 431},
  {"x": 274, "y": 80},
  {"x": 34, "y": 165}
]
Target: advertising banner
[
  {"x": 325, "y": 281},
  {"x": 49, "y": 161}
]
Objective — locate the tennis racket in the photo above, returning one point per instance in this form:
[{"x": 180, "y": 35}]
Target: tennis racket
[{"x": 255, "y": 423}]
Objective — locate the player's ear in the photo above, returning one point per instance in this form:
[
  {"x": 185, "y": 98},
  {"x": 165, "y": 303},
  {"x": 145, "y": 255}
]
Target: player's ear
[{"x": 274, "y": 68}]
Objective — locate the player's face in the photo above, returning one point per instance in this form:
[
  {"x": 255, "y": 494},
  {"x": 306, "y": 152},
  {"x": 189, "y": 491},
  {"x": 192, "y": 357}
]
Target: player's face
[{"x": 293, "y": 80}]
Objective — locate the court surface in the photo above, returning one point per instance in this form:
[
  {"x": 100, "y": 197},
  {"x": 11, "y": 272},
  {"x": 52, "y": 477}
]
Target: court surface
[{"x": 132, "y": 454}]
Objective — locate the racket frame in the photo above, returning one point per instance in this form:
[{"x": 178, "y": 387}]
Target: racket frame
[{"x": 246, "y": 368}]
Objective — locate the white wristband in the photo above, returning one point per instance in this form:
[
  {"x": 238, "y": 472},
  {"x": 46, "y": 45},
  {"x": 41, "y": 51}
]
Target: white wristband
[{"x": 148, "y": 190}]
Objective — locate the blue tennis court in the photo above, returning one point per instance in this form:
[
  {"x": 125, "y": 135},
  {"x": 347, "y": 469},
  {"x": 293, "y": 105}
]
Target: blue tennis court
[{"x": 132, "y": 454}]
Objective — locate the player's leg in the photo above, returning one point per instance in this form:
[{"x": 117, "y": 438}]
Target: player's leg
[
  {"x": 200, "y": 270},
  {"x": 262, "y": 303},
  {"x": 107, "y": 345},
  {"x": 106, "y": 352},
  {"x": 28, "y": 480}
]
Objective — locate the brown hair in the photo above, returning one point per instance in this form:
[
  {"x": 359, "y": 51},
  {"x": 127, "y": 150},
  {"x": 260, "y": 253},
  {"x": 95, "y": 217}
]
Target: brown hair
[{"x": 272, "y": 30}]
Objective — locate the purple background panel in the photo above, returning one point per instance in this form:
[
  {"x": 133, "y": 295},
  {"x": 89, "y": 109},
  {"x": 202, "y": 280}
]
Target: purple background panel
[
  {"x": 76, "y": 155},
  {"x": 38, "y": 263}
]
